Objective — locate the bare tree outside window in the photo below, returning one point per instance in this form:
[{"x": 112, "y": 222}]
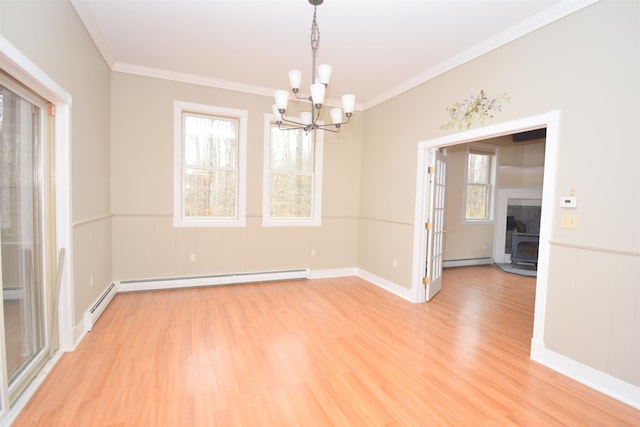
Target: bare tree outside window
[
  {"x": 209, "y": 179},
  {"x": 292, "y": 177},
  {"x": 291, "y": 162},
  {"x": 479, "y": 185},
  {"x": 210, "y": 163}
]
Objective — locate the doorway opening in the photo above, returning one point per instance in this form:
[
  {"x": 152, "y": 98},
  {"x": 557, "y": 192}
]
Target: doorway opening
[{"x": 550, "y": 122}]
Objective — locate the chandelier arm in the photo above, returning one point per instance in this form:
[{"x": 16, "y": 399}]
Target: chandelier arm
[
  {"x": 342, "y": 123},
  {"x": 310, "y": 127},
  {"x": 327, "y": 128},
  {"x": 306, "y": 98},
  {"x": 306, "y": 129},
  {"x": 317, "y": 113},
  {"x": 300, "y": 124}
]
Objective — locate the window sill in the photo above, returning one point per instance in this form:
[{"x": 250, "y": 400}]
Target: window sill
[{"x": 478, "y": 222}]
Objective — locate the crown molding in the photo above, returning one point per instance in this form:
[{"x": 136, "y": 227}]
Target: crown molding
[
  {"x": 559, "y": 11},
  {"x": 86, "y": 18},
  {"x": 159, "y": 73}
]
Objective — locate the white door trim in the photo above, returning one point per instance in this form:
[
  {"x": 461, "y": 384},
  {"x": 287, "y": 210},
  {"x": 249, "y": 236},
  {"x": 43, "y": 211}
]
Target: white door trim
[
  {"x": 25, "y": 71},
  {"x": 549, "y": 120}
]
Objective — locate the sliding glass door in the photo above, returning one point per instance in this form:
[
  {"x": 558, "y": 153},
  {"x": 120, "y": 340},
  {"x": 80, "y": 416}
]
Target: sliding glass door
[{"x": 22, "y": 224}]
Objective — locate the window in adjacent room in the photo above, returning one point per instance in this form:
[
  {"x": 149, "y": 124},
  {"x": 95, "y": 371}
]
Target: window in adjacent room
[
  {"x": 209, "y": 170},
  {"x": 292, "y": 177},
  {"x": 480, "y": 182}
]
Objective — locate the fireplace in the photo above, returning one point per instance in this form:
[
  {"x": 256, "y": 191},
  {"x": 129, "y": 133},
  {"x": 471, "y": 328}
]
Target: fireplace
[
  {"x": 522, "y": 217},
  {"x": 524, "y": 248},
  {"x": 518, "y": 210}
]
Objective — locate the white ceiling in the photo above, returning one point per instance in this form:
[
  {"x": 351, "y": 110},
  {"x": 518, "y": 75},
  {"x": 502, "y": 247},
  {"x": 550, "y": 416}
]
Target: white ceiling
[{"x": 378, "y": 48}]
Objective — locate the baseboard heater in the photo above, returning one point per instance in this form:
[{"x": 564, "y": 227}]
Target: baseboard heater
[
  {"x": 212, "y": 280},
  {"x": 466, "y": 262},
  {"x": 91, "y": 316},
  {"x": 12, "y": 293}
]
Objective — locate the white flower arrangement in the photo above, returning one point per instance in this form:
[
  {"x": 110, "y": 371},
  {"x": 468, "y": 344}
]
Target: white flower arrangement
[{"x": 475, "y": 108}]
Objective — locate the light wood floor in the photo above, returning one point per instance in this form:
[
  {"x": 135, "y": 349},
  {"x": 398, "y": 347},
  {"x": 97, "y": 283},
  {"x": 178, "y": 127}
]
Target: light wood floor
[{"x": 335, "y": 352}]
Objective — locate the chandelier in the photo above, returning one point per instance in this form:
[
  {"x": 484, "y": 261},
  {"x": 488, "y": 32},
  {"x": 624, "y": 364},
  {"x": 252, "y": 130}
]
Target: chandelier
[{"x": 310, "y": 120}]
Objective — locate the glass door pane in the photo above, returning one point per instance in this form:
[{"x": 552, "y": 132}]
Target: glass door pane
[{"x": 20, "y": 230}]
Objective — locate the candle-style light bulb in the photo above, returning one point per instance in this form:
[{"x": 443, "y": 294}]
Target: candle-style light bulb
[
  {"x": 295, "y": 78},
  {"x": 324, "y": 74},
  {"x": 336, "y": 116},
  {"x": 282, "y": 98},
  {"x": 348, "y": 104}
]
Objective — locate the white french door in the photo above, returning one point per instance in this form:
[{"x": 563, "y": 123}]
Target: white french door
[
  {"x": 435, "y": 238},
  {"x": 24, "y": 243}
]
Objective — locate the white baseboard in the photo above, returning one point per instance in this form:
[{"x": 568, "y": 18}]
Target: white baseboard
[
  {"x": 597, "y": 380},
  {"x": 387, "y": 285},
  {"x": 334, "y": 272},
  {"x": 12, "y": 414},
  {"x": 78, "y": 333}
]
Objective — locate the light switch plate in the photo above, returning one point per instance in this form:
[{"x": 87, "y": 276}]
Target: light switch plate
[{"x": 569, "y": 221}]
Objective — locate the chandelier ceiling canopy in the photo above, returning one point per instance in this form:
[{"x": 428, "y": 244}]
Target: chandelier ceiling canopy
[{"x": 310, "y": 120}]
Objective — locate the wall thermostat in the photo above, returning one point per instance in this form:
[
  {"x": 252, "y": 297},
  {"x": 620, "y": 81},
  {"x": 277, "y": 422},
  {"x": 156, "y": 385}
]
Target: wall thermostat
[{"x": 568, "y": 202}]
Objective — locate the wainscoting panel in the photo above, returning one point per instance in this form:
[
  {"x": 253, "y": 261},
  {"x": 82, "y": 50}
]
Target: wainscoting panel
[
  {"x": 149, "y": 247},
  {"x": 383, "y": 250},
  {"x": 91, "y": 263},
  {"x": 594, "y": 299}
]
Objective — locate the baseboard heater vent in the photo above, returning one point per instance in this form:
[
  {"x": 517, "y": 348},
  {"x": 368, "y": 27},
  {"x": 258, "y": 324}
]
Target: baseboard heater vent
[
  {"x": 12, "y": 293},
  {"x": 466, "y": 262},
  {"x": 91, "y": 316},
  {"x": 213, "y": 280}
]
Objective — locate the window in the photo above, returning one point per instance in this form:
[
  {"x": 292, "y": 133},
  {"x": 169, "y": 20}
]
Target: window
[
  {"x": 480, "y": 182},
  {"x": 209, "y": 170},
  {"x": 292, "y": 177}
]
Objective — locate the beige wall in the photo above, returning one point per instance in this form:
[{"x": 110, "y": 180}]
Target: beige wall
[
  {"x": 147, "y": 246},
  {"x": 520, "y": 164},
  {"x": 587, "y": 66},
  {"x": 50, "y": 34}
]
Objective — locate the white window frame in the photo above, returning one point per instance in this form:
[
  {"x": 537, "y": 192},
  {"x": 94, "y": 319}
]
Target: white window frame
[
  {"x": 316, "y": 200},
  {"x": 239, "y": 219},
  {"x": 493, "y": 150}
]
